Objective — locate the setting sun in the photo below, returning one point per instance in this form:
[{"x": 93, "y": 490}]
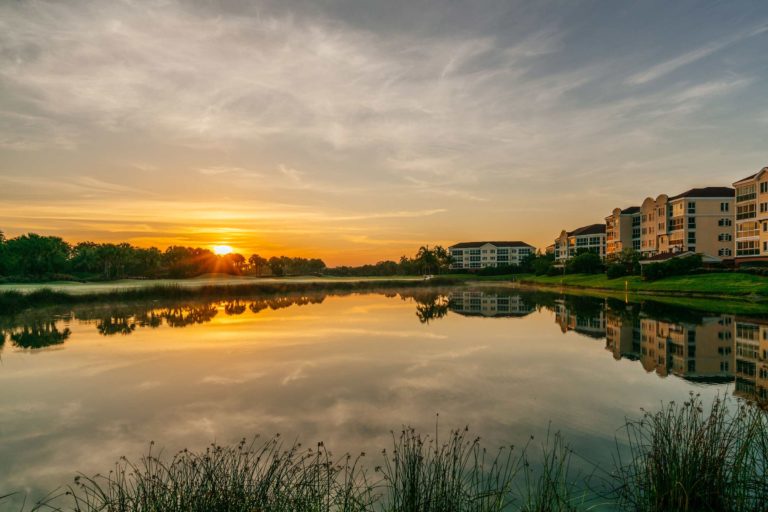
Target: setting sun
[{"x": 221, "y": 250}]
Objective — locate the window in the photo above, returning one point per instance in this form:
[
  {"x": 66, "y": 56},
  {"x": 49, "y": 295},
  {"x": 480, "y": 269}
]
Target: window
[
  {"x": 764, "y": 187},
  {"x": 724, "y": 222},
  {"x": 746, "y": 193},
  {"x": 724, "y": 207},
  {"x": 746, "y": 211},
  {"x": 724, "y": 237},
  {"x": 763, "y": 207},
  {"x": 691, "y": 207},
  {"x": 692, "y": 237},
  {"x": 748, "y": 248},
  {"x": 691, "y": 222},
  {"x": 724, "y": 252}
]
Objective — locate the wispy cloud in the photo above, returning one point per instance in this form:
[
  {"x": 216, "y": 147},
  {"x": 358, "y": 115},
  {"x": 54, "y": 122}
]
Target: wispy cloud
[{"x": 664, "y": 68}]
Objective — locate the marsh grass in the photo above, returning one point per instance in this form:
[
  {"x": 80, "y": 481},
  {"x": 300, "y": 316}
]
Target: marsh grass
[
  {"x": 684, "y": 457},
  {"x": 419, "y": 474}
]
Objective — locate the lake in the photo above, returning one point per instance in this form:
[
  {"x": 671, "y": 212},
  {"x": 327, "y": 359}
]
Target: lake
[{"x": 84, "y": 386}]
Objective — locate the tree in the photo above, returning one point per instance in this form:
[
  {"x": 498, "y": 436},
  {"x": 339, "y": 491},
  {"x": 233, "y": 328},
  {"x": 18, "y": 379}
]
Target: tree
[
  {"x": 277, "y": 266},
  {"x": 426, "y": 260},
  {"x": 35, "y": 255},
  {"x": 585, "y": 263},
  {"x": 257, "y": 265}
]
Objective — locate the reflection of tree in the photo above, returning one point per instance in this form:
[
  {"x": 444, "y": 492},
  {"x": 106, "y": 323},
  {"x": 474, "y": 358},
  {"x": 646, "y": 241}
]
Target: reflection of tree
[
  {"x": 39, "y": 335},
  {"x": 112, "y": 325},
  {"x": 431, "y": 308},
  {"x": 189, "y": 315},
  {"x": 275, "y": 303},
  {"x": 234, "y": 307}
]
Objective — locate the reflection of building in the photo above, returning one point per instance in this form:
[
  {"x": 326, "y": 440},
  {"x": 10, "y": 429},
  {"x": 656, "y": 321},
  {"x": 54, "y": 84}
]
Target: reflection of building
[
  {"x": 622, "y": 334},
  {"x": 475, "y": 255},
  {"x": 588, "y": 238},
  {"x": 474, "y": 303},
  {"x": 751, "y": 350},
  {"x": 589, "y": 324},
  {"x": 694, "y": 351}
]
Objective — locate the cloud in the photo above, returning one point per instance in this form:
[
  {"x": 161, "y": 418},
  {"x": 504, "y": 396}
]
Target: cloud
[{"x": 664, "y": 68}]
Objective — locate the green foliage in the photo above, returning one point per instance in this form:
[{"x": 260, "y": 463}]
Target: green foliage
[
  {"x": 543, "y": 264},
  {"x": 34, "y": 257},
  {"x": 672, "y": 267},
  {"x": 626, "y": 263},
  {"x": 584, "y": 263}
]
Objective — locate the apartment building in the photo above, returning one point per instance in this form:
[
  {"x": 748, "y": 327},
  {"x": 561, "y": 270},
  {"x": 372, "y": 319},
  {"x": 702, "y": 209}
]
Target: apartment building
[
  {"x": 476, "y": 303},
  {"x": 622, "y": 231},
  {"x": 699, "y": 220},
  {"x": 751, "y": 218},
  {"x": 587, "y": 238},
  {"x": 477, "y": 255}
]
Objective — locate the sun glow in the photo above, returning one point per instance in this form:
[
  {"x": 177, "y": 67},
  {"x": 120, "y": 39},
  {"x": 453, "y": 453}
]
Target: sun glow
[{"x": 221, "y": 250}]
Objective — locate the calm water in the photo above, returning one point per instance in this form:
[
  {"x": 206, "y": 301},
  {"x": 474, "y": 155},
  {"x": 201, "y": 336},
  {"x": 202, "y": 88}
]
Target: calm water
[{"x": 82, "y": 388}]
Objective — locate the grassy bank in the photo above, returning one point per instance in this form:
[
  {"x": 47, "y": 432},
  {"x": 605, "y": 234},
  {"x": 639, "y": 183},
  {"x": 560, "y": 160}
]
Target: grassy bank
[
  {"x": 730, "y": 284},
  {"x": 13, "y": 301},
  {"x": 681, "y": 458}
]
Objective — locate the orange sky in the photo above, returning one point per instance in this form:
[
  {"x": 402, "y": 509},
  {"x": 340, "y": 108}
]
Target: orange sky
[{"x": 356, "y": 133}]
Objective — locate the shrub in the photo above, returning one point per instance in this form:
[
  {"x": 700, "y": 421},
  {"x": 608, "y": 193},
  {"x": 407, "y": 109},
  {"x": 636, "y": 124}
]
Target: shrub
[
  {"x": 615, "y": 270},
  {"x": 672, "y": 267},
  {"x": 585, "y": 263}
]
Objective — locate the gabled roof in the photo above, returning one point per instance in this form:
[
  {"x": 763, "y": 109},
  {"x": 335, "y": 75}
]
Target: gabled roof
[
  {"x": 706, "y": 192},
  {"x": 752, "y": 176},
  {"x": 467, "y": 245},
  {"x": 592, "y": 229}
]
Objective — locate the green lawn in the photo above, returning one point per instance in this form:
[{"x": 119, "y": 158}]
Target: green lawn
[{"x": 730, "y": 283}]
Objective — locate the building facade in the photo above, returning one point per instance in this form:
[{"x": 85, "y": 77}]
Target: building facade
[
  {"x": 622, "y": 231},
  {"x": 751, "y": 218},
  {"x": 477, "y": 255},
  {"x": 701, "y": 221},
  {"x": 587, "y": 238}
]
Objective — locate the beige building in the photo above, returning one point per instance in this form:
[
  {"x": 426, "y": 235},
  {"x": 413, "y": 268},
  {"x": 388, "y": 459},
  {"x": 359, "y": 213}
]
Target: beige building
[
  {"x": 475, "y": 303},
  {"x": 477, "y": 255},
  {"x": 699, "y": 220},
  {"x": 587, "y": 238},
  {"x": 622, "y": 231},
  {"x": 751, "y": 218}
]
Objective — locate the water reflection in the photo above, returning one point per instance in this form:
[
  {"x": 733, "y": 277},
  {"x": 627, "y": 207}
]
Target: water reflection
[{"x": 704, "y": 348}]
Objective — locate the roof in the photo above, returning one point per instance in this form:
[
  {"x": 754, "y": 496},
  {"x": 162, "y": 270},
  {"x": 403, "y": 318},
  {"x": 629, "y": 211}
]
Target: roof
[
  {"x": 664, "y": 256},
  {"x": 706, "y": 192},
  {"x": 630, "y": 210},
  {"x": 466, "y": 245},
  {"x": 592, "y": 229},
  {"x": 751, "y": 176}
]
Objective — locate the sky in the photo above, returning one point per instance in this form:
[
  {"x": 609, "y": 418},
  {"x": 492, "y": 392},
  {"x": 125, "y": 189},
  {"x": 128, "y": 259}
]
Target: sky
[{"x": 356, "y": 131}]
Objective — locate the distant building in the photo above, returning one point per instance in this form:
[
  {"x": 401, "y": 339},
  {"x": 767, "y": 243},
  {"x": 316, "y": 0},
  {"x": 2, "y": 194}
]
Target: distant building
[
  {"x": 751, "y": 218},
  {"x": 699, "y": 220},
  {"x": 477, "y": 255},
  {"x": 587, "y": 238},
  {"x": 622, "y": 231}
]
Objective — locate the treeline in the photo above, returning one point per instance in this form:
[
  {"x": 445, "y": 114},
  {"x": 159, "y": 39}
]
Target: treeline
[
  {"x": 436, "y": 260},
  {"x": 36, "y": 257}
]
